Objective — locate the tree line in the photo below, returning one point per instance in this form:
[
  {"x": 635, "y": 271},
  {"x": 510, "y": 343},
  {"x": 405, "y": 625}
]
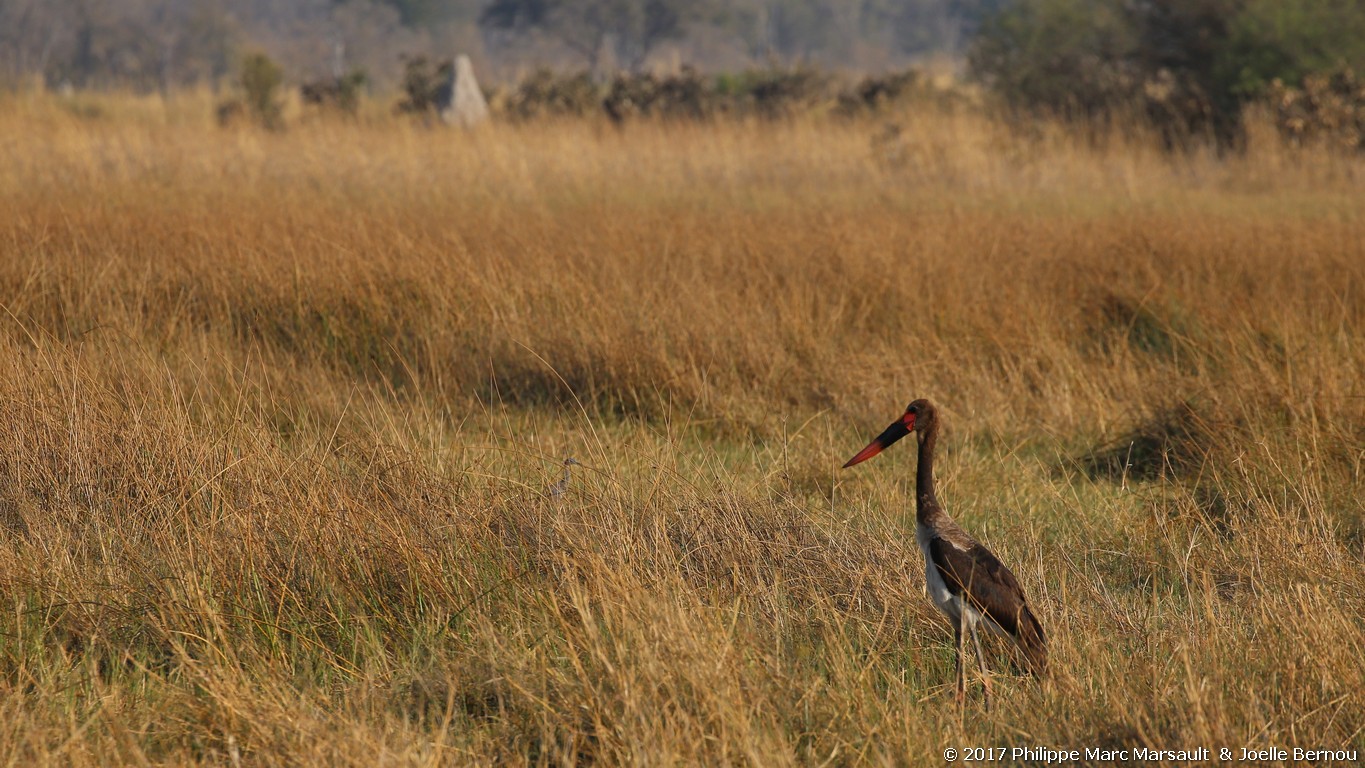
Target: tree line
[
  {"x": 1188, "y": 66},
  {"x": 149, "y": 44}
]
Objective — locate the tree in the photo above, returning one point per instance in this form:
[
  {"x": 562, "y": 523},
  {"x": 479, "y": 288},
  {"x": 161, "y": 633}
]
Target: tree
[
  {"x": 625, "y": 29},
  {"x": 1068, "y": 57},
  {"x": 1190, "y": 64},
  {"x": 420, "y": 13},
  {"x": 1274, "y": 39}
]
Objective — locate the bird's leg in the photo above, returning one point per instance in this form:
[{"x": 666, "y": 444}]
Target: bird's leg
[
  {"x": 961, "y": 674},
  {"x": 985, "y": 676}
]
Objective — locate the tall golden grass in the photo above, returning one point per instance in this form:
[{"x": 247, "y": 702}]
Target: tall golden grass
[{"x": 280, "y": 412}]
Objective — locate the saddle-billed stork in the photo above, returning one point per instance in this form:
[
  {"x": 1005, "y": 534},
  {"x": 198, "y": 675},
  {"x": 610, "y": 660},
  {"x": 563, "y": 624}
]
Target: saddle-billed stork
[{"x": 968, "y": 583}]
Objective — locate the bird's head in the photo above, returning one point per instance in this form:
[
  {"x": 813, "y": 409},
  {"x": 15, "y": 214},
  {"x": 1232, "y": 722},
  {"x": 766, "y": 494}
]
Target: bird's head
[{"x": 919, "y": 417}]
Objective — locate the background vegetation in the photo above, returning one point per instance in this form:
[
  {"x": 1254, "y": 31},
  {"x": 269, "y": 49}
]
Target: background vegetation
[
  {"x": 169, "y": 44},
  {"x": 280, "y": 410},
  {"x": 1188, "y": 67}
]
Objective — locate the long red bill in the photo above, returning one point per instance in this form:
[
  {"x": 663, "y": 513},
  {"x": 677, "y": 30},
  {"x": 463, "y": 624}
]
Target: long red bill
[{"x": 896, "y": 431}]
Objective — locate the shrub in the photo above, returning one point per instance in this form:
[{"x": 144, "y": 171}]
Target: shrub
[
  {"x": 231, "y": 112},
  {"x": 257, "y": 102},
  {"x": 341, "y": 94},
  {"x": 1328, "y": 108},
  {"x": 689, "y": 95},
  {"x": 779, "y": 93},
  {"x": 261, "y": 79},
  {"x": 686, "y": 95},
  {"x": 875, "y": 93},
  {"x": 546, "y": 94},
  {"x": 426, "y": 85}
]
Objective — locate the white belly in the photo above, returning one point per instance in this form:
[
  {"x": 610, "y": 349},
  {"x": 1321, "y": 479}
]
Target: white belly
[{"x": 934, "y": 581}]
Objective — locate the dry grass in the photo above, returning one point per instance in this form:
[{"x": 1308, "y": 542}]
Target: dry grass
[{"x": 279, "y": 412}]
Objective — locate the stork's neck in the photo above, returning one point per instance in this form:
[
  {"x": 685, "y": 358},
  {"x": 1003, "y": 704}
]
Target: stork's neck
[{"x": 926, "y": 503}]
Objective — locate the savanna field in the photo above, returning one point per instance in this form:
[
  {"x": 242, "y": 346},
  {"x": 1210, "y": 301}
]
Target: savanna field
[{"x": 280, "y": 413}]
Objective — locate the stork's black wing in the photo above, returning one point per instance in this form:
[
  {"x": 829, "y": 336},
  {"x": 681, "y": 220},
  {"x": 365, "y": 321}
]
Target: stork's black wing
[{"x": 988, "y": 586}]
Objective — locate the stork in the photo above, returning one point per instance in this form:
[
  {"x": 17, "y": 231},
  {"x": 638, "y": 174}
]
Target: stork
[{"x": 968, "y": 583}]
